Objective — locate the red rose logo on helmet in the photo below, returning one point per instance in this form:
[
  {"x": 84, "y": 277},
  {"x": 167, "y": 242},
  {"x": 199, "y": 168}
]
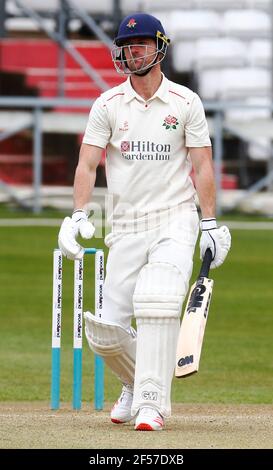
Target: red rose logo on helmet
[
  {"x": 132, "y": 22},
  {"x": 170, "y": 122}
]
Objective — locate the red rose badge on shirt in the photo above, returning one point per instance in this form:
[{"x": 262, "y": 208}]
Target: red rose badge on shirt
[{"x": 170, "y": 122}]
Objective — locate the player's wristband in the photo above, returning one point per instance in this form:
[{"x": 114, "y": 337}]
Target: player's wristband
[
  {"x": 79, "y": 214},
  {"x": 80, "y": 210},
  {"x": 208, "y": 224}
]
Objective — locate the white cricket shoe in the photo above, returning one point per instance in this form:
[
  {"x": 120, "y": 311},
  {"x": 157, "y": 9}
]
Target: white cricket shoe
[
  {"x": 121, "y": 411},
  {"x": 149, "y": 419}
]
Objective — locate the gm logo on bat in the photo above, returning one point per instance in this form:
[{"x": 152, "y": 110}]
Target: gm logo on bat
[
  {"x": 197, "y": 298},
  {"x": 184, "y": 361}
]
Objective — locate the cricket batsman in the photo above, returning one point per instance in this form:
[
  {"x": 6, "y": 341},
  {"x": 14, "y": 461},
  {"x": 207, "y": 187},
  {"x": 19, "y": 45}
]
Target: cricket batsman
[{"x": 154, "y": 132}]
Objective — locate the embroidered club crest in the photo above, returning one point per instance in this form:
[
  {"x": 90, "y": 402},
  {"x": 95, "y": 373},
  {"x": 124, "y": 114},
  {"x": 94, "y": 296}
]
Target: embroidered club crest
[
  {"x": 170, "y": 122},
  {"x": 124, "y": 127},
  {"x": 131, "y": 23}
]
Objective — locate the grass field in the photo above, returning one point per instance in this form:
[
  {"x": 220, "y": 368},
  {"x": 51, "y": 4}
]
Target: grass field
[{"x": 237, "y": 359}]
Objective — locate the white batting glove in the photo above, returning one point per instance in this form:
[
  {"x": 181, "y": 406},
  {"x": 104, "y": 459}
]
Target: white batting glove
[
  {"x": 71, "y": 227},
  {"x": 217, "y": 239}
]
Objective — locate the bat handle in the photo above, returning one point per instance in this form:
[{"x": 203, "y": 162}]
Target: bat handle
[{"x": 205, "y": 267}]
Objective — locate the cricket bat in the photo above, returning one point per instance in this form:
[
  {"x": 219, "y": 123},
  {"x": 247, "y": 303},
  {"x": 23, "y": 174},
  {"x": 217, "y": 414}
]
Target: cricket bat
[{"x": 194, "y": 321}]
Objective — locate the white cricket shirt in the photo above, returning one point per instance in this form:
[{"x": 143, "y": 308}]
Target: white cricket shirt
[{"x": 147, "y": 164}]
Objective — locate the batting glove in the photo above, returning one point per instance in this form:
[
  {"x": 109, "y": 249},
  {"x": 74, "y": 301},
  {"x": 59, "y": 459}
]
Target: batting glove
[
  {"x": 217, "y": 239},
  {"x": 71, "y": 227}
]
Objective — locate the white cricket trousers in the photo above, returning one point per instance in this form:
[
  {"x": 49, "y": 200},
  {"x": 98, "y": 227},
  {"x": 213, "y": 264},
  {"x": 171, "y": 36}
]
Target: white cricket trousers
[{"x": 172, "y": 242}]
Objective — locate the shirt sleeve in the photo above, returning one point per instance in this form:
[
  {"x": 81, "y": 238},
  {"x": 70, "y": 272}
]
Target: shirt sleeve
[
  {"x": 98, "y": 130},
  {"x": 196, "y": 127}
]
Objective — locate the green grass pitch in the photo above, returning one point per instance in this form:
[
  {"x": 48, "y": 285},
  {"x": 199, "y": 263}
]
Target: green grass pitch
[{"x": 237, "y": 360}]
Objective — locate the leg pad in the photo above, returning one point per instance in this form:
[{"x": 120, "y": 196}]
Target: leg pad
[{"x": 115, "y": 344}]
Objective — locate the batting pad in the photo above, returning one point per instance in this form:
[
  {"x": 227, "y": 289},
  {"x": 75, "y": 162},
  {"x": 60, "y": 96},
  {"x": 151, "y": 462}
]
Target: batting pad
[
  {"x": 160, "y": 291},
  {"x": 115, "y": 344},
  {"x": 157, "y": 301}
]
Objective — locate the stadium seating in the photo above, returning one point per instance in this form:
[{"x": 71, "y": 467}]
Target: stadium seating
[
  {"x": 234, "y": 83},
  {"x": 259, "y": 53},
  {"x": 220, "y": 52},
  {"x": 194, "y": 24},
  {"x": 246, "y": 23},
  {"x": 250, "y": 114},
  {"x": 261, "y": 4},
  {"x": 224, "y": 46},
  {"x": 38, "y": 61},
  {"x": 245, "y": 82},
  {"x": 210, "y": 84},
  {"x": 163, "y": 5},
  {"x": 260, "y": 149},
  {"x": 222, "y": 5},
  {"x": 183, "y": 55}
]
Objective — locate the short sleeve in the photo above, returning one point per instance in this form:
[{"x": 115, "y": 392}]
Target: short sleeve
[
  {"x": 196, "y": 127},
  {"x": 98, "y": 130}
]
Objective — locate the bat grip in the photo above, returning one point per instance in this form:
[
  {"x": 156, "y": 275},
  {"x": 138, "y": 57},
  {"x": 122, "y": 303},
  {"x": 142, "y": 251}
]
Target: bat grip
[{"x": 205, "y": 267}]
